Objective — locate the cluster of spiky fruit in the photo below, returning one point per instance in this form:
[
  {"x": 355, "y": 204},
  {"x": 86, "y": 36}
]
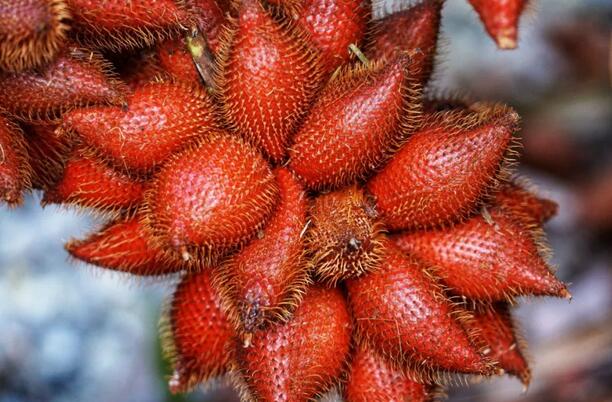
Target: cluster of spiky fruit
[{"x": 330, "y": 225}]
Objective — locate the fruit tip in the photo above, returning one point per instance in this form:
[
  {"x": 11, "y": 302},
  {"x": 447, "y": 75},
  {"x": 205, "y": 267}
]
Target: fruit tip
[
  {"x": 246, "y": 340},
  {"x": 565, "y": 294},
  {"x": 506, "y": 40}
]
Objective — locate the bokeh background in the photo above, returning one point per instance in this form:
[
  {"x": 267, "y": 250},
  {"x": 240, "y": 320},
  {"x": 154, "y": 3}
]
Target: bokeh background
[{"x": 69, "y": 332}]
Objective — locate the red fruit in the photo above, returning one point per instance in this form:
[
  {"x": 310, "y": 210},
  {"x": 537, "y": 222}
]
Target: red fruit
[
  {"x": 76, "y": 78},
  {"x": 415, "y": 29},
  {"x": 500, "y": 18},
  {"x": 443, "y": 170},
  {"x": 333, "y": 25},
  {"x": 403, "y": 314},
  {"x": 343, "y": 237},
  {"x": 524, "y": 205},
  {"x": 261, "y": 53},
  {"x": 31, "y": 32},
  {"x": 159, "y": 120},
  {"x": 358, "y": 117},
  {"x": 197, "y": 334},
  {"x": 14, "y": 167},
  {"x": 490, "y": 259},
  {"x": 265, "y": 281},
  {"x": 47, "y": 154},
  {"x": 300, "y": 359},
  {"x": 123, "y": 246},
  {"x": 141, "y": 68},
  {"x": 211, "y": 197},
  {"x": 89, "y": 182},
  {"x": 372, "y": 378},
  {"x": 121, "y": 24},
  {"x": 494, "y": 325},
  {"x": 175, "y": 58}
]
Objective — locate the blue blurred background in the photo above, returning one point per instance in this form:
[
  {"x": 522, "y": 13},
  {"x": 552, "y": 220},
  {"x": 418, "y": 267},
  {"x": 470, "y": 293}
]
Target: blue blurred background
[{"x": 69, "y": 332}]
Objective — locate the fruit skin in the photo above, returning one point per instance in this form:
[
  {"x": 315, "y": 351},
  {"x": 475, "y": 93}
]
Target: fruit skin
[
  {"x": 302, "y": 358},
  {"x": 403, "y": 314},
  {"x": 15, "y": 171},
  {"x": 259, "y": 53},
  {"x": 443, "y": 171},
  {"x": 123, "y": 246},
  {"x": 524, "y": 205},
  {"x": 334, "y": 147},
  {"x": 485, "y": 258},
  {"x": 416, "y": 28},
  {"x": 372, "y": 378},
  {"x": 47, "y": 154},
  {"x": 88, "y": 182},
  {"x": 500, "y": 18},
  {"x": 265, "y": 281},
  {"x": 76, "y": 78},
  {"x": 197, "y": 336},
  {"x": 161, "y": 117},
  {"x": 343, "y": 236},
  {"x": 31, "y": 33},
  {"x": 210, "y": 198},
  {"x": 174, "y": 57},
  {"x": 333, "y": 25}
]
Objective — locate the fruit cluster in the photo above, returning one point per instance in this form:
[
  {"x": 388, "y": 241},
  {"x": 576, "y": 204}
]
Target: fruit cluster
[{"x": 329, "y": 221}]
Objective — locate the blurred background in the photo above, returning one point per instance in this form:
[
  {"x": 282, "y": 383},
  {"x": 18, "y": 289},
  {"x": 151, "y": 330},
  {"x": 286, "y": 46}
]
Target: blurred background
[{"x": 73, "y": 333}]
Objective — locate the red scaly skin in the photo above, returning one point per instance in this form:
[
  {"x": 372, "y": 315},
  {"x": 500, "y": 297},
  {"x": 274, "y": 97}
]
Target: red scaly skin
[
  {"x": 415, "y": 29},
  {"x": 265, "y": 281},
  {"x": 142, "y": 68},
  {"x": 88, "y": 182},
  {"x": 524, "y": 205},
  {"x": 490, "y": 259},
  {"x": 32, "y": 32},
  {"x": 403, "y": 314},
  {"x": 121, "y": 24},
  {"x": 372, "y": 378},
  {"x": 262, "y": 53},
  {"x": 123, "y": 246},
  {"x": 211, "y": 197},
  {"x": 198, "y": 335},
  {"x": 175, "y": 58},
  {"x": 494, "y": 325},
  {"x": 300, "y": 359},
  {"x": 333, "y": 25},
  {"x": 500, "y": 18},
  {"x": 357, "y": 118},
  {"x": 47, "y": 154},
  {"x": 441, "y": 172},
  {"x": 160, "y": 117},
  {"x": 76, "y": 78},
  {"x": 15, "y": 170}
]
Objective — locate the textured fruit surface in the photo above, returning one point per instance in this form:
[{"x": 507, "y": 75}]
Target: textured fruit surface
[
  {"x": 197, "y": 334},
  {"x": 76, "y": 78},
  {"x": 264, "y": 281},
  {"x": 403, "y": 314},
  {"x": 356, "y": 120},
  {"x": 211, "y": 197},
  {"x": 372, "y": 378},
  {"x": 343, "y": 237},
  {"x": 159, "y": 117},
  {"x": 261, "y": 53},
  {"x": 500, "y": 18},
  {"x": 333, "y": 25},
  {"x": 175, "y": 58},
  {"x": 47, "y": 154},
  {"x": 524, "y": 205},
  {"x": 123, "y": 246},
  {"x": 485, "y": 258},
  {"x": 31, "y": 32},
  {"x": 442, "y": 170},
  {"x": 415, "y": 29},
  {"x": 300, "y": 359},
  {"x": 14, "y": 167}
]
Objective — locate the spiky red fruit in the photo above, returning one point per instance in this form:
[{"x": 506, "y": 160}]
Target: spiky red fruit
[
  {"x": 444, "y": 169},
  {"x": 175, "y": 58},
  {"x": 14, "y": 166},
  {"x": 197, "y": 334},
  {"x": 211, "y": 197},
  {"x": 490, "y": 258},
  {"x": 359, "y": 116},
  {"x": 160, "y": 117},
  {"x": 261, "y": 53},
  {"x": 300, "y": 359},
  {"x": 404, "y": 315},
  {"x": 76, "y": 78},
  {"x": 372, "y": 378},
  {"x": 524, "y": 205},
  {"x": 47, "y": 154},
  {"x": 500, "y": 18}
]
